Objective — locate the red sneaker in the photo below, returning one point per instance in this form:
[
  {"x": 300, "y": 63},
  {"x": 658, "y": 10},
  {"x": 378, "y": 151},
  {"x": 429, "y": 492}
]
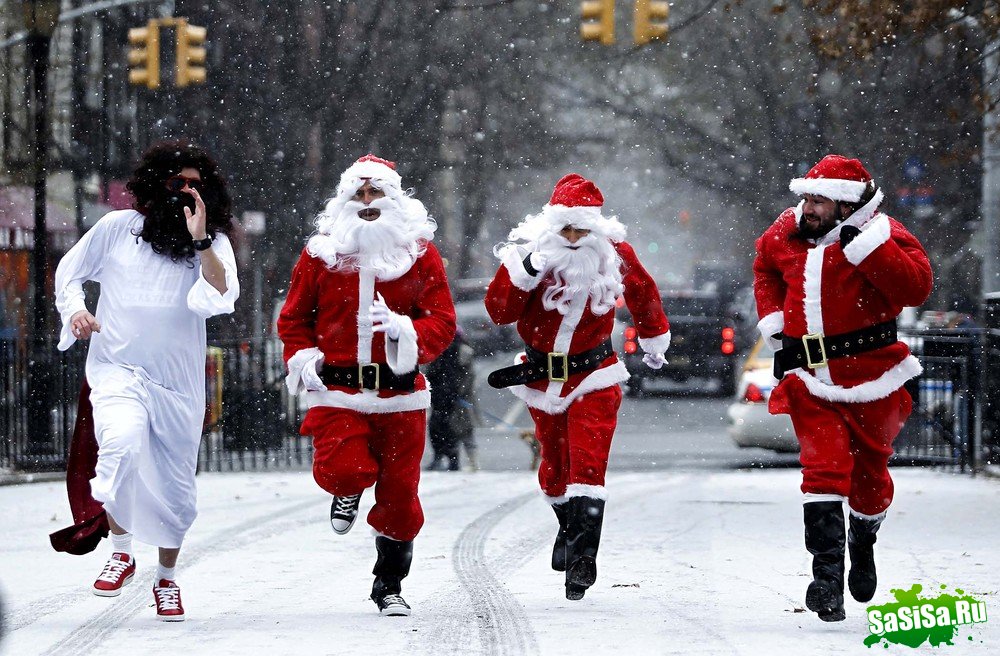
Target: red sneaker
[
  {"x": 168, "y": 601},
  {"x": 117, "y": 573}
]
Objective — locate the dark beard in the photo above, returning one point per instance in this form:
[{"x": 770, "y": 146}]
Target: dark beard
[{"x": 165, "y": 227}]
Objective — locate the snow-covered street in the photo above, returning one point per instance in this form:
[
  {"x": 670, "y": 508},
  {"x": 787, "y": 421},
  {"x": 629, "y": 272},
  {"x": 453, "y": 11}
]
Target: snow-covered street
[{"x": 691, "y": 563}]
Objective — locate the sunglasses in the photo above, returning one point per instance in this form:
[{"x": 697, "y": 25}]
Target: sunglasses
[{"x": 176, "y": 183}]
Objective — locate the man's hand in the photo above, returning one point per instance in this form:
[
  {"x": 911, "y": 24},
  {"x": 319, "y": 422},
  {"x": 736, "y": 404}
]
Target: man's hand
[
  {"x": 847, "y": 235},
  {"x": 385, "y": 320},
  {"x": 84, "y": 325},
  {"x": 534, "y": 263},
  {"x": 310, "y": 375},
  {"x": 654, "y": 360},
  {"x": 196, "y": 221}
]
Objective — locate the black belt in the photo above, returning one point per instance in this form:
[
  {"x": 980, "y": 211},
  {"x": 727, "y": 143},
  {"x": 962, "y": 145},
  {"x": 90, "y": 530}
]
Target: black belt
[
  {"x": 552, "y": 366},
  {"x": 374, "y": 376},
  {"x": 814, "y": 350}
]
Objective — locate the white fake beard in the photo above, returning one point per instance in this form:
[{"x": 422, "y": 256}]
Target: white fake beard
[
  {"x": 388, "y": 245},
  {"x": 592, "y": 269}
]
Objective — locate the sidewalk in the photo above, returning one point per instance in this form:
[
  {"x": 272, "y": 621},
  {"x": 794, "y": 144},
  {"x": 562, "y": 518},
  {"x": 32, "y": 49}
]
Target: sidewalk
[{"x": 691, "y": 563}]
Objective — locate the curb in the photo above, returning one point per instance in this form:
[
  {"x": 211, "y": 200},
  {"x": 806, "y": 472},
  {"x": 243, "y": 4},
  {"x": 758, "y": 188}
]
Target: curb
[{"x": 14, "y": 478}]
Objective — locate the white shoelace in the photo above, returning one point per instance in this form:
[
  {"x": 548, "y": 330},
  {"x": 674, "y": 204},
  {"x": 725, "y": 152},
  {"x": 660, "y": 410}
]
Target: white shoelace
[
  {"x": 113, "y": 570},
  {"x": 168, "y": 598},
  {"x": 348, "y": 505},
  {"x": 393, "y": 600}
]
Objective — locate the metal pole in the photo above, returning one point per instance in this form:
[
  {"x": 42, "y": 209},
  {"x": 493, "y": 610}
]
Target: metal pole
[
  {"x": 39, "y": 384},
  {"x": 991, "y": 174}
]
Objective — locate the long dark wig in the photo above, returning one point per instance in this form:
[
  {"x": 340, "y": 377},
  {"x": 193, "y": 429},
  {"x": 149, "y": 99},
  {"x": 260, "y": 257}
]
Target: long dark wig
[{"x": 164, "y": 227}]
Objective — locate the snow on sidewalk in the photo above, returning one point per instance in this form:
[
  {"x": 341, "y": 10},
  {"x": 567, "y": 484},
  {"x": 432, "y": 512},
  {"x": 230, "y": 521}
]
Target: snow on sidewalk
[{"x": 691, "y": 563}]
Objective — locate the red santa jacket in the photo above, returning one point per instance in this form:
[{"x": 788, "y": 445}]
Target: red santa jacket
[
  {"x": 514, "y": 295},
  {"x": 328, "y": 312},
  {"x": 815, "y": 286}
]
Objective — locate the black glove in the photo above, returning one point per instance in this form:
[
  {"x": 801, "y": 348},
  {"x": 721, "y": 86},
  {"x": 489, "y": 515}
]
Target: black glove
[{"x": 847, "y": 235}]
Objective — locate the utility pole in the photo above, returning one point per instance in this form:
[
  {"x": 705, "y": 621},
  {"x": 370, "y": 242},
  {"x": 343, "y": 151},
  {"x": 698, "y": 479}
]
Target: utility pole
[
  {"x": 40, "y": 19},
  {"x": 991, "y": 174}
]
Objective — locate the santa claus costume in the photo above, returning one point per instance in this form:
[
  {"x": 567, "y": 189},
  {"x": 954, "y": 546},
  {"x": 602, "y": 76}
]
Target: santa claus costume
[
  {"x": 561, "y": 292},
  {"x": 828, "y": 303},
  {"x": 368, "y": 302}
]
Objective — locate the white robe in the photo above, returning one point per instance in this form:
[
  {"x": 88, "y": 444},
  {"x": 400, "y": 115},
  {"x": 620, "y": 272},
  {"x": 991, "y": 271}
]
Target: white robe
[{"x": 146, "y": 369}]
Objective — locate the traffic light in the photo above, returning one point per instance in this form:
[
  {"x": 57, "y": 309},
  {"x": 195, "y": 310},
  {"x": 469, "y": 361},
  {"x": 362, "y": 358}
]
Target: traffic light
[
  {"x": 190, "y": 53},
  {"x": 144, "y": 55},
  {"x": 599, "y": 21},
  {"x": 646, "y": 12}
]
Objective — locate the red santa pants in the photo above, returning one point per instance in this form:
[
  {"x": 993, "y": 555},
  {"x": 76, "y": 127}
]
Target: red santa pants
[
  {"x": 576, "y": 443},
  {"x": 354, "y": 450},
  {"x": 845, "y": 447}
]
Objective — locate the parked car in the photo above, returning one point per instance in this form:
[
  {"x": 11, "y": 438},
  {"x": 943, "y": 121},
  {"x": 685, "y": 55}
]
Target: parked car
[
  {"x": 485, "y": 337},
  {"x": 703, "y": 342},
  {"x": 751, "y": 425}
]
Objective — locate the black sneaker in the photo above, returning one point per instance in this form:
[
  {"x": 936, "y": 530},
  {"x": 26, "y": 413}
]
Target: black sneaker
[
  {"x": 392, "y": 605},
  {"x": 343, "y": 512}
]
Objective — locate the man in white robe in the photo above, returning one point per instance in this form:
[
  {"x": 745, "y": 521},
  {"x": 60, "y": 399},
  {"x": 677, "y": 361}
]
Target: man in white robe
[{"x": 163, "y": 269}]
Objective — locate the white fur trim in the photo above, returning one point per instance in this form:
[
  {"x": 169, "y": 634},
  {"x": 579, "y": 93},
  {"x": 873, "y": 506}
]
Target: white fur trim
[
  {"x": 871, "y": 238},
  {"x": 871, "y": 390},
  {"x": 813, "y": 300},
  {"x": 297, "y": 363},
  {"x": 848, "y": 191},
  {"x": 771, "y": 324},
  {"x": 813, "y": 497},
  {"x": 372, "y": 171},
  {"x": 513, "y": 258},
  {"x": 368, "y": 402},
  {"x": 658, "y": 344},
  {"x": 585, "y": 218},
  {"x": 598, "y": 379},
  {"x": 553, "y": 501},
  {"x": 872, "y": 518},
  {"x": 583, "y": 490},
  {"x": 401, "y": 354},
  {"x": 366, "y": 296}
]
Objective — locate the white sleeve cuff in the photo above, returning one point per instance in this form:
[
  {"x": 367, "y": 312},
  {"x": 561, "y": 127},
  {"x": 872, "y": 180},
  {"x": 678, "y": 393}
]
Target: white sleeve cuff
[
  {"x": 401, "y": 354},
  {"x": 513, "y": 259},
  {"x": 658, "y": 344},
  {"x": 297, "y": 363},
  {"x": 871, "y": 238},
  {"x": 771, "y": 324},
  {"x": 205, "y": 300},
  {"x": 71, "y": 303}
]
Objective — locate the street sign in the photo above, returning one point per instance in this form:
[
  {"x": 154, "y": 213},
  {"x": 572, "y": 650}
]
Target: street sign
[{"x": 914, "y": 169}]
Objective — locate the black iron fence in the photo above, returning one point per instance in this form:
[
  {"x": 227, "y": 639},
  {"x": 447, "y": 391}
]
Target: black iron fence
[{"x": 251, "y": 422}]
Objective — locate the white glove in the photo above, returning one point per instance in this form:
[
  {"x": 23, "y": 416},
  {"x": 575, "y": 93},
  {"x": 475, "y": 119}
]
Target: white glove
[
  {"x": 310, "y": 375},
  {"x": 385, "y": 320},
  {"x": 654, "y": 360},
  {"x": 538, "y": 261}
]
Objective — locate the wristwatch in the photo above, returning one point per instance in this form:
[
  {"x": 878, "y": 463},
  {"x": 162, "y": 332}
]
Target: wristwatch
[{"x": 202, "y": 244}]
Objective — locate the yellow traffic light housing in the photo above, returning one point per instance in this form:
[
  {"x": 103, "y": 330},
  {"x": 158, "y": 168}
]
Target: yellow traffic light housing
[
  {"x": 599, "y": 17},
  {"x": 650, "y": 21},
  {"x": 144, "y": 55},
  {"x": 190, "y": 53}
]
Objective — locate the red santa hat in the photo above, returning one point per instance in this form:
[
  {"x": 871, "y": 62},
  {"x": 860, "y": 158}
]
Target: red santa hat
[
  {"x": 835, "y": 177},
  {"x": 577, "y": 201},
  {"x": 381, "y": 173}
]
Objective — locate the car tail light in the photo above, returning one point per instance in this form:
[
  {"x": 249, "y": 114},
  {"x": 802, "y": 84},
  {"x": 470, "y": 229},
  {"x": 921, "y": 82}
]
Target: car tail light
[
  {"x": 631, "y": 347},
  {"x": 728, "y": 346},
  {"x": 753, "y": 394},
  {"x": 631, "y": 332}
]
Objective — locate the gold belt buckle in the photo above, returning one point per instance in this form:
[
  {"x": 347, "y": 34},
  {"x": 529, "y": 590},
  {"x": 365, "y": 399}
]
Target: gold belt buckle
[
  {"x": 555, "y": 357},
  {"x": 822, "y": 350},
  {"x": 361, "y": 375}
]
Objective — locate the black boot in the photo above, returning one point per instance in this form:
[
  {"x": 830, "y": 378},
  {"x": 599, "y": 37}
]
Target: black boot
[
  {"x": 584, "y": 517},
  {"x": 860, "y": 542},
  {"x": 391, "y": 567},
  {"x": 559, "y": 548},
  {"x": 824, "y": 521}
]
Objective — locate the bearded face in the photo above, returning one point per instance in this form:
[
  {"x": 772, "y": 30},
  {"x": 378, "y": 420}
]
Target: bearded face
[
  {"x": 350, "y": 237},
  {"x": 588, "y": 267}
]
